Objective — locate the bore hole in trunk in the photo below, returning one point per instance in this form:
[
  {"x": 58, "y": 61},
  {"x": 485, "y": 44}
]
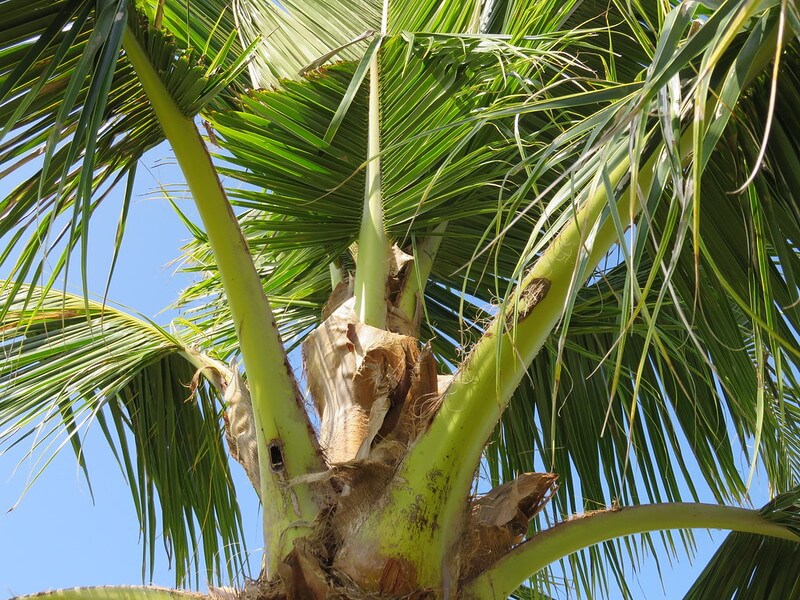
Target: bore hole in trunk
[{"x": 275, "y": 456}]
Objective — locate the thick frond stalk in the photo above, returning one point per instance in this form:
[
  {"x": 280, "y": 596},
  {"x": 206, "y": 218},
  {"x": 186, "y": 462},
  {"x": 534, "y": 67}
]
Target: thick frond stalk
[
  {"x": 372, "y": 261},
  {"x": 286, "y": 441},
  {"x": 502, "y": 578}
]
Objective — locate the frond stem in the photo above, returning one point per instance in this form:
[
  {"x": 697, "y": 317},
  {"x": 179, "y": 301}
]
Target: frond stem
[
  {"x": 372, "y": 261},
  {"x": 504, "y": 576},
  {"x": 114, "y": 592},
  {"x": 277, "y": 403},
  {"x": 424, "y": 256},
  {"x": 336, "y": 275}
]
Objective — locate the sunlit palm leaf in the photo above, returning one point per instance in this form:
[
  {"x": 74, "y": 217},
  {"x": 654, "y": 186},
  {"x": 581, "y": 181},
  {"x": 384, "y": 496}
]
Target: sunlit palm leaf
[
  {"x": 439, "y": 166},
  {"x": 434, "y": 16},
  {"x": 82, "y": 139},
  {"x": 751, "y": 567},
  {"x": 295, "y": 34},
  {"x": 64, "y": 366}
]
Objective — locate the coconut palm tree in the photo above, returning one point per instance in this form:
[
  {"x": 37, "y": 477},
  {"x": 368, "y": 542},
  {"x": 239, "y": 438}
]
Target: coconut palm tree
[{"x": 539, "y": 257}]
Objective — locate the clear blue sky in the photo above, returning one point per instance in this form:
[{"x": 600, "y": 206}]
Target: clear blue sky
[{"x": 56, "y": 536}]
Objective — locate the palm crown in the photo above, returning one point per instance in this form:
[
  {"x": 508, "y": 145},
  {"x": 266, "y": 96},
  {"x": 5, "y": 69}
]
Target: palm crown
[{"x": 586, "y": 211}]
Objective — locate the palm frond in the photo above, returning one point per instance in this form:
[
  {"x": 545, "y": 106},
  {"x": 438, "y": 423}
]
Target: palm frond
[
  {"x": 71, "y": 104},
  {"x": 433, "y": 16},
  {"x": 302, "y": 196},
  {"x": 696, "y": 345},
  {"x": 296, "y": 34},
  {"x": 70, "y": 362},
  {"x": 208, "y": 27},
  {"x": 696, "y": 363},
  {"x": 750, "y": 567}
]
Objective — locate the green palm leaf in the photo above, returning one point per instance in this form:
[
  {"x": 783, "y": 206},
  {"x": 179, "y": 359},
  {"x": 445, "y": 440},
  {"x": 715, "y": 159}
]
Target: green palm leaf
[
  {"x": 296, "y": 34},
  {"x": 432, "y": 85},
  {"x": 65, "y": 365},
  {"x": 69, "y": 95},
  {"x": 749, "y": 566},
  {"x": 207, "y": 27}
]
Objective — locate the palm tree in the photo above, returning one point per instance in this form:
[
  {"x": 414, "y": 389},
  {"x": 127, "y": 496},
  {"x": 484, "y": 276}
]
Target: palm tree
[{"x": 540, "y": 250}]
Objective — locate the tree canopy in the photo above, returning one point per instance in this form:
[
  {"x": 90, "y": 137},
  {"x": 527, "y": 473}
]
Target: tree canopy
[{"x": 594, "y": 205}]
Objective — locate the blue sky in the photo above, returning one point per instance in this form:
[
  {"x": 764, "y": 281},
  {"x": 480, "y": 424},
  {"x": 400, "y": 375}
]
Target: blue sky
[{"x": 57, "y": 536}]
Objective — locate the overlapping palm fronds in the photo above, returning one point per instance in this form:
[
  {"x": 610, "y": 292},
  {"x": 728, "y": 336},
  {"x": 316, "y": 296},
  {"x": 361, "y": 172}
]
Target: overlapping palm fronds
[
  {"x": 650, "y": 362},
  {"x": 71, "y": 106},
  {"x": 66, "y": 365},
  {"x": 299, "y": 189},
  {"x": 499, "y": 123}
]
